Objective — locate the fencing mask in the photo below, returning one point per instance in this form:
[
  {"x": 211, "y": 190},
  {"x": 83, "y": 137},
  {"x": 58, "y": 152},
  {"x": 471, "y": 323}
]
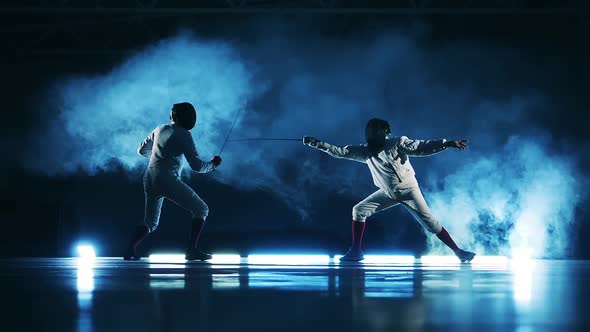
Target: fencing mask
[
  {"x": 376, "y": 134},
  {"x": 184, "y": 115}
]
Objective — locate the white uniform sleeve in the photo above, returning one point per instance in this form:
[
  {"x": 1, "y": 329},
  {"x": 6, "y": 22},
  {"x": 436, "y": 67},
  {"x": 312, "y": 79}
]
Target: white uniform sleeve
[
  {"x": 192, "y": 156},
  {"x": 145, "y": 148},
  {"x": 415, "y": 147},
  {"x": 351, "y": 152}
]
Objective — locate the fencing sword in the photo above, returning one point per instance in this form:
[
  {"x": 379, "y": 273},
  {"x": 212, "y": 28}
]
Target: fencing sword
[
  {"x": 265, "y": 139},
  {"x": 251, "y": 139},
  {"x": 230, "y": 130}
]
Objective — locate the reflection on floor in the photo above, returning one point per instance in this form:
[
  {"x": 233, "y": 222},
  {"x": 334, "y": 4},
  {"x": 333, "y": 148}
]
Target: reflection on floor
[{"x": 294, "y": 293}]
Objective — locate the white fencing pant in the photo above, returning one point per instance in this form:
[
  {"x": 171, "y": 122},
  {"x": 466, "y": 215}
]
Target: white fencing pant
[
  {"x": 410, "y": 197},
  {"x": 157, "y": 187}
]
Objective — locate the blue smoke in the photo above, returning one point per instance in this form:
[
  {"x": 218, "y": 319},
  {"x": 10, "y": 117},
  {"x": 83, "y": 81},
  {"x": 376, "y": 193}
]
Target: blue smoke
[
  {"x": 508, "y": 191},
  {"x": 103, "y": 118},
  {"x": 516, "y": 201}
]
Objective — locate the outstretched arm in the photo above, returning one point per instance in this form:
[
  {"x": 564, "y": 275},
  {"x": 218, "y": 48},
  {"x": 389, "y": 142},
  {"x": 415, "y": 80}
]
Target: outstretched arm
[
  {"x": 192, "y": 156},
  {"x": 414, "y": 147},
  {"x": 351, "y": 152},
  {"x": 145, "y": 148}
]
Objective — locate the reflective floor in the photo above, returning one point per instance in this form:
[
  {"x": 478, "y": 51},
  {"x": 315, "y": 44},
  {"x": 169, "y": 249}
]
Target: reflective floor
[{"x": 304, "y": 293}]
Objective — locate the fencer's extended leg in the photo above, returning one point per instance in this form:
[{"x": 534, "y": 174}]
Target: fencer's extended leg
[
  {"x": 463, "y": 255},
  {"x": 183, "y": 195},
  {"x": 414, "y": 201},
  {"x": 446, "y": 238},
  {"x": 377, "y": 201}
]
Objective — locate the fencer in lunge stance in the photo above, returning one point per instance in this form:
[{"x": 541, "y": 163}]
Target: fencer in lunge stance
[
  {"x": 393, "y": 174},
  {"x": 164, "y": 147}
]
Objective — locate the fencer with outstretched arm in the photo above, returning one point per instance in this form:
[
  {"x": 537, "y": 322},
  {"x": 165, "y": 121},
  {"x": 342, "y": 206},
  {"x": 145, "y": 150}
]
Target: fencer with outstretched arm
[{"x": 389, "y": 163}]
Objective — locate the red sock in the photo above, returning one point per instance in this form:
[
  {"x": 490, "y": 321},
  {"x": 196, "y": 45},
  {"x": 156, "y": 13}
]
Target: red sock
[
  {"x": 196, "y": 229},
  {"x": 444, "y": 236},
  {"x": 358, "y": 228}
]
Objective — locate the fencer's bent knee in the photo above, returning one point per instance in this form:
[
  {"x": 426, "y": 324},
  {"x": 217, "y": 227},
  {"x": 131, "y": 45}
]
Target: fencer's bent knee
[
  {"x": 359, "y": 213},
  {"x": 151, "y": 226},
  {"x": 201, "y": 211},
  {"x": 433, "y": 226}
]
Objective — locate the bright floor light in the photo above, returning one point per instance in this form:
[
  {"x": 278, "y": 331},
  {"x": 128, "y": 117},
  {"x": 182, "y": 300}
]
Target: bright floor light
[
  {"x": 225, "y": 259},
  {"x": 289, "y": 259},
  {"x": 522, "y": 273},
  {"x": 86, "y": 251},
  {"x": 480, "y": 260},
  {"x": 383, "y": 259},
  {"x": 436, "y": 259},
  {"x": 492, "y": 260},
  {"x": 293, "y": 259},
  {"x": 166, "y": 258},
  {"x": 85, "y": 276},
  {"x": 388, "y": 259},
  {"x": 179, "y": 258},
  {"x": 522, "y": 254}
]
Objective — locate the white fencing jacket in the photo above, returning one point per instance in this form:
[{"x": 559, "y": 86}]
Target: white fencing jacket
[
  {"x": 166, "y": 145},
  {"x": 392, "y": 166}
]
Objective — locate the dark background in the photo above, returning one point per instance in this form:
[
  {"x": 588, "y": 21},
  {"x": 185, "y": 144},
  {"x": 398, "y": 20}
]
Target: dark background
[{"x": 46, "y": 216}]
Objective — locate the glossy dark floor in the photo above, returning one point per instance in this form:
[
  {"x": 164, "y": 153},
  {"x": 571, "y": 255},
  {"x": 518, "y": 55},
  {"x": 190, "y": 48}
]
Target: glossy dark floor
[{"x": 294, "y": 294}]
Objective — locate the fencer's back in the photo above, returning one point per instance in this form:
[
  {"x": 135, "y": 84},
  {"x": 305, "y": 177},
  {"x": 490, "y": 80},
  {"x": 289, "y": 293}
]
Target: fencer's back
[{"x": 168, "y": 147}]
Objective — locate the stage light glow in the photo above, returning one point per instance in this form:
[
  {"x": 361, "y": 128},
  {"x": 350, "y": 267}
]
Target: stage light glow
[
  {"x": 288, "y": 259},
  {"x": 521, "y": 254},
  {"x": 388, "y": 259},
  {"x": 225, "y": 259},
  {"x": 522, "y": 281},
  {"x": 439, "y": 260},
  {"x": 451, "y": 259},
  {"x": 166, "y": 258},
  {"x": 85, "y": 287},
  {"x": 179, "y": 258},
  {"x": 490, "y": 263},
  {"x": 492, "y": 260},
  {"x": 85, "y": 277},
  {"x": 86, "y": 251}
]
